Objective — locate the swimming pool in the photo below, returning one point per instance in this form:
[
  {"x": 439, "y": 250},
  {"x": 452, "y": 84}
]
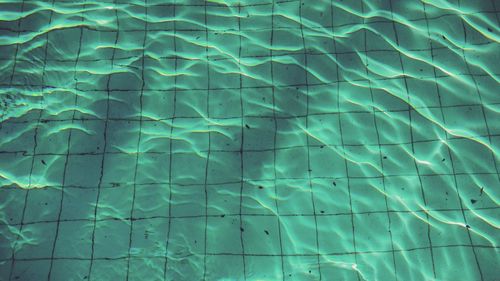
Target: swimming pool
[{"x": 249, "y": 140}]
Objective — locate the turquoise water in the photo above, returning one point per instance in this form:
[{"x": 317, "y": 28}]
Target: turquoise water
[{"x": 249, "y": 140}]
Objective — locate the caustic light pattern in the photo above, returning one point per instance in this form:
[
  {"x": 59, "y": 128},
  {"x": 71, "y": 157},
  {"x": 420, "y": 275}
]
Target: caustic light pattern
[{"x": 249, "y": 140}]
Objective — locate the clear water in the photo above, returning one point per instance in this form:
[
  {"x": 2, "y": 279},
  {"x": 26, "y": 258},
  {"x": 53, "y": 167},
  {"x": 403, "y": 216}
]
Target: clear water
[{"x": 249, "y": 140}]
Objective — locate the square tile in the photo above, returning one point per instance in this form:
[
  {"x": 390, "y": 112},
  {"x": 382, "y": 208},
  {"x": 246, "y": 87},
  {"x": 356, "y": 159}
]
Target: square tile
[
  {"x": 295, "y": 159},
  {"x": 89, "y": 138},
  {"x": 153, "y": 168},
  {"x": 454, "y": 233},
  {"x": 372, "y": 232},
  {"x": 287, "y": 135},
  {"x": 264, "y": 267},
  {"x": 222, "y": 199},
  {"x": 258, "y": 101},
  {"x": 331, "y": 196},
  {"x": 30, "y": 270},
  {"x": 100, "y": 268},
  {"x": 261, "y": 235},
  {"x": 471, "y": 157},
  {"x": 414, "y": 265},
  {"x": 83, "y": 170},
  {"x": 151, "y": 200},
  {"x": 194, "y": 173},
  {"x": 324, "y": 129},
  {"x": 295, "y": 229},
  {"x": 260, "y": 165},
  {"x": 227, "y": 237},
  {"x": 335, "y": 234},
  {"x": 224, "y": 103},
  {"x": 259, "y": 133},
  {"x": 289, "y": 71},
  {"x": 111, "y": 239},
  {"x": 358, "y": 128},
  {"x": 74, "y": 240},
  {"x": 149, "y": 238},
  {"x": 188, "y": 200},
  {"x": 327, "y": 162},
  {"x": 119, "y": 169},
  {"x": 444, "y": 261},
  {"x": 67, "y": 269},
  {"x": 233, "y": 266},
  {"x": 294, "y": 197},
  {"x": 44, "y": 235},
  {"x": 43, "y": 205},
  {"x": 367, "y": 195},
  {"x": 259, "y": 197},
  {"x": 115, "y": 201},
  {"x": 79, "y": 203}
]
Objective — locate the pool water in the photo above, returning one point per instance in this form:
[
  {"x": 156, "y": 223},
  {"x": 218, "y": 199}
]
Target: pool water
[{"x": 249, "y": 140}]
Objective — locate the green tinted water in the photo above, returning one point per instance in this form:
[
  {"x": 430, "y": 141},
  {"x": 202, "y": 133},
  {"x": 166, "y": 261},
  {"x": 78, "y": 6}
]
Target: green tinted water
[{"x": 249, "y": 140}]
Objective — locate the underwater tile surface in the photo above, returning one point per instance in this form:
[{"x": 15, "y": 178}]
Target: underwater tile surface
[{"x": 249, "y": 140}]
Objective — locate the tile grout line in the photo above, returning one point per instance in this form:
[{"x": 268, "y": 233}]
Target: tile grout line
[{"x": 105, "y": 136}]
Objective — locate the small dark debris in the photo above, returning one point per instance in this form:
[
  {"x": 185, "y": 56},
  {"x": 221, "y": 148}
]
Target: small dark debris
[
  {"x": 43, "y": 162},
  {"x": 195, "y": 241},
  {"x": 473, "y": 201},
  {"x": 310, "y": 170},
  {"x": 267, "y": 232},
  {"x": 334, "y": 183},
  {"x": 115, "y": 184},
  {"x": 197, "y": 37},
  {"x": 46, "y": 204},
  {"x": 242, "y": 229},
  {"x": 385, "y": 157},
  {"x": 481, "y": 191},
  {"x": 468, "y": 226},
  {"x": 489, "y": 29},
  {"x": 421, "y": 69},
  {"x": 322, "y": 211},
  {"x": 222, "y": 215},
  {"x": 309, "y": 271},
  {"x": 444, "y": 37},
  {"x": 248, "y": 127},
  {"x": 85, "y": 277},
  {"x": 261, "y": 187},
  {"x": 322, "y": 146},
  {"x": 289, "y": 274}
]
